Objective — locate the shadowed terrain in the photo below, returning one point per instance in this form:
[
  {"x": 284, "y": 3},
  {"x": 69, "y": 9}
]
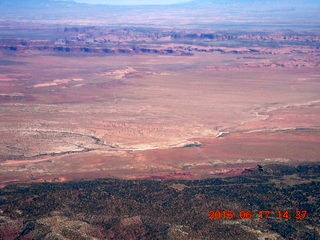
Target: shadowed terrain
[{"x": 118, "y": 209}]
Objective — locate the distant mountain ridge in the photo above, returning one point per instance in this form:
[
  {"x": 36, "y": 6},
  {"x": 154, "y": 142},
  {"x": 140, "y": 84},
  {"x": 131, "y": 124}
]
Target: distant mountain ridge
[
  {"x": 35, "y": 3},
  {"x": 260, "y": 4},
  {"x": 275, "y": 3},
  {"x": 192, "y": 12}
]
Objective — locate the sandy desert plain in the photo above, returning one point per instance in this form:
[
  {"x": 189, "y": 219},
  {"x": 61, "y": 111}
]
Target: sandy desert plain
[{"x": 214, "y": 111}]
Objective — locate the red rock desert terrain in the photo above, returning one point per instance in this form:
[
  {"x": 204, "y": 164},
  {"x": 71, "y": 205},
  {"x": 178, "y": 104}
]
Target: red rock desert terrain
[{"x": 191, "y": 112}]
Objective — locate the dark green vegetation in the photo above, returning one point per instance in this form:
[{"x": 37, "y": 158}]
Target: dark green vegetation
[{"x": 119, "y": 209}]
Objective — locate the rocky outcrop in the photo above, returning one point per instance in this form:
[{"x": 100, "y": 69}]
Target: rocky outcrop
[{"x": 106, "y": 41}]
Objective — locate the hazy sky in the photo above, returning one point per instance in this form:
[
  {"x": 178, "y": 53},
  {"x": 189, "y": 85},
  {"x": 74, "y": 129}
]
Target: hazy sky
[{"x": 132, "y": 2}]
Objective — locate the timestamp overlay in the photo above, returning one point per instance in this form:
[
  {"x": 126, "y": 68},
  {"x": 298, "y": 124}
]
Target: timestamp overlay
[{"x": 295, "y": 215}]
